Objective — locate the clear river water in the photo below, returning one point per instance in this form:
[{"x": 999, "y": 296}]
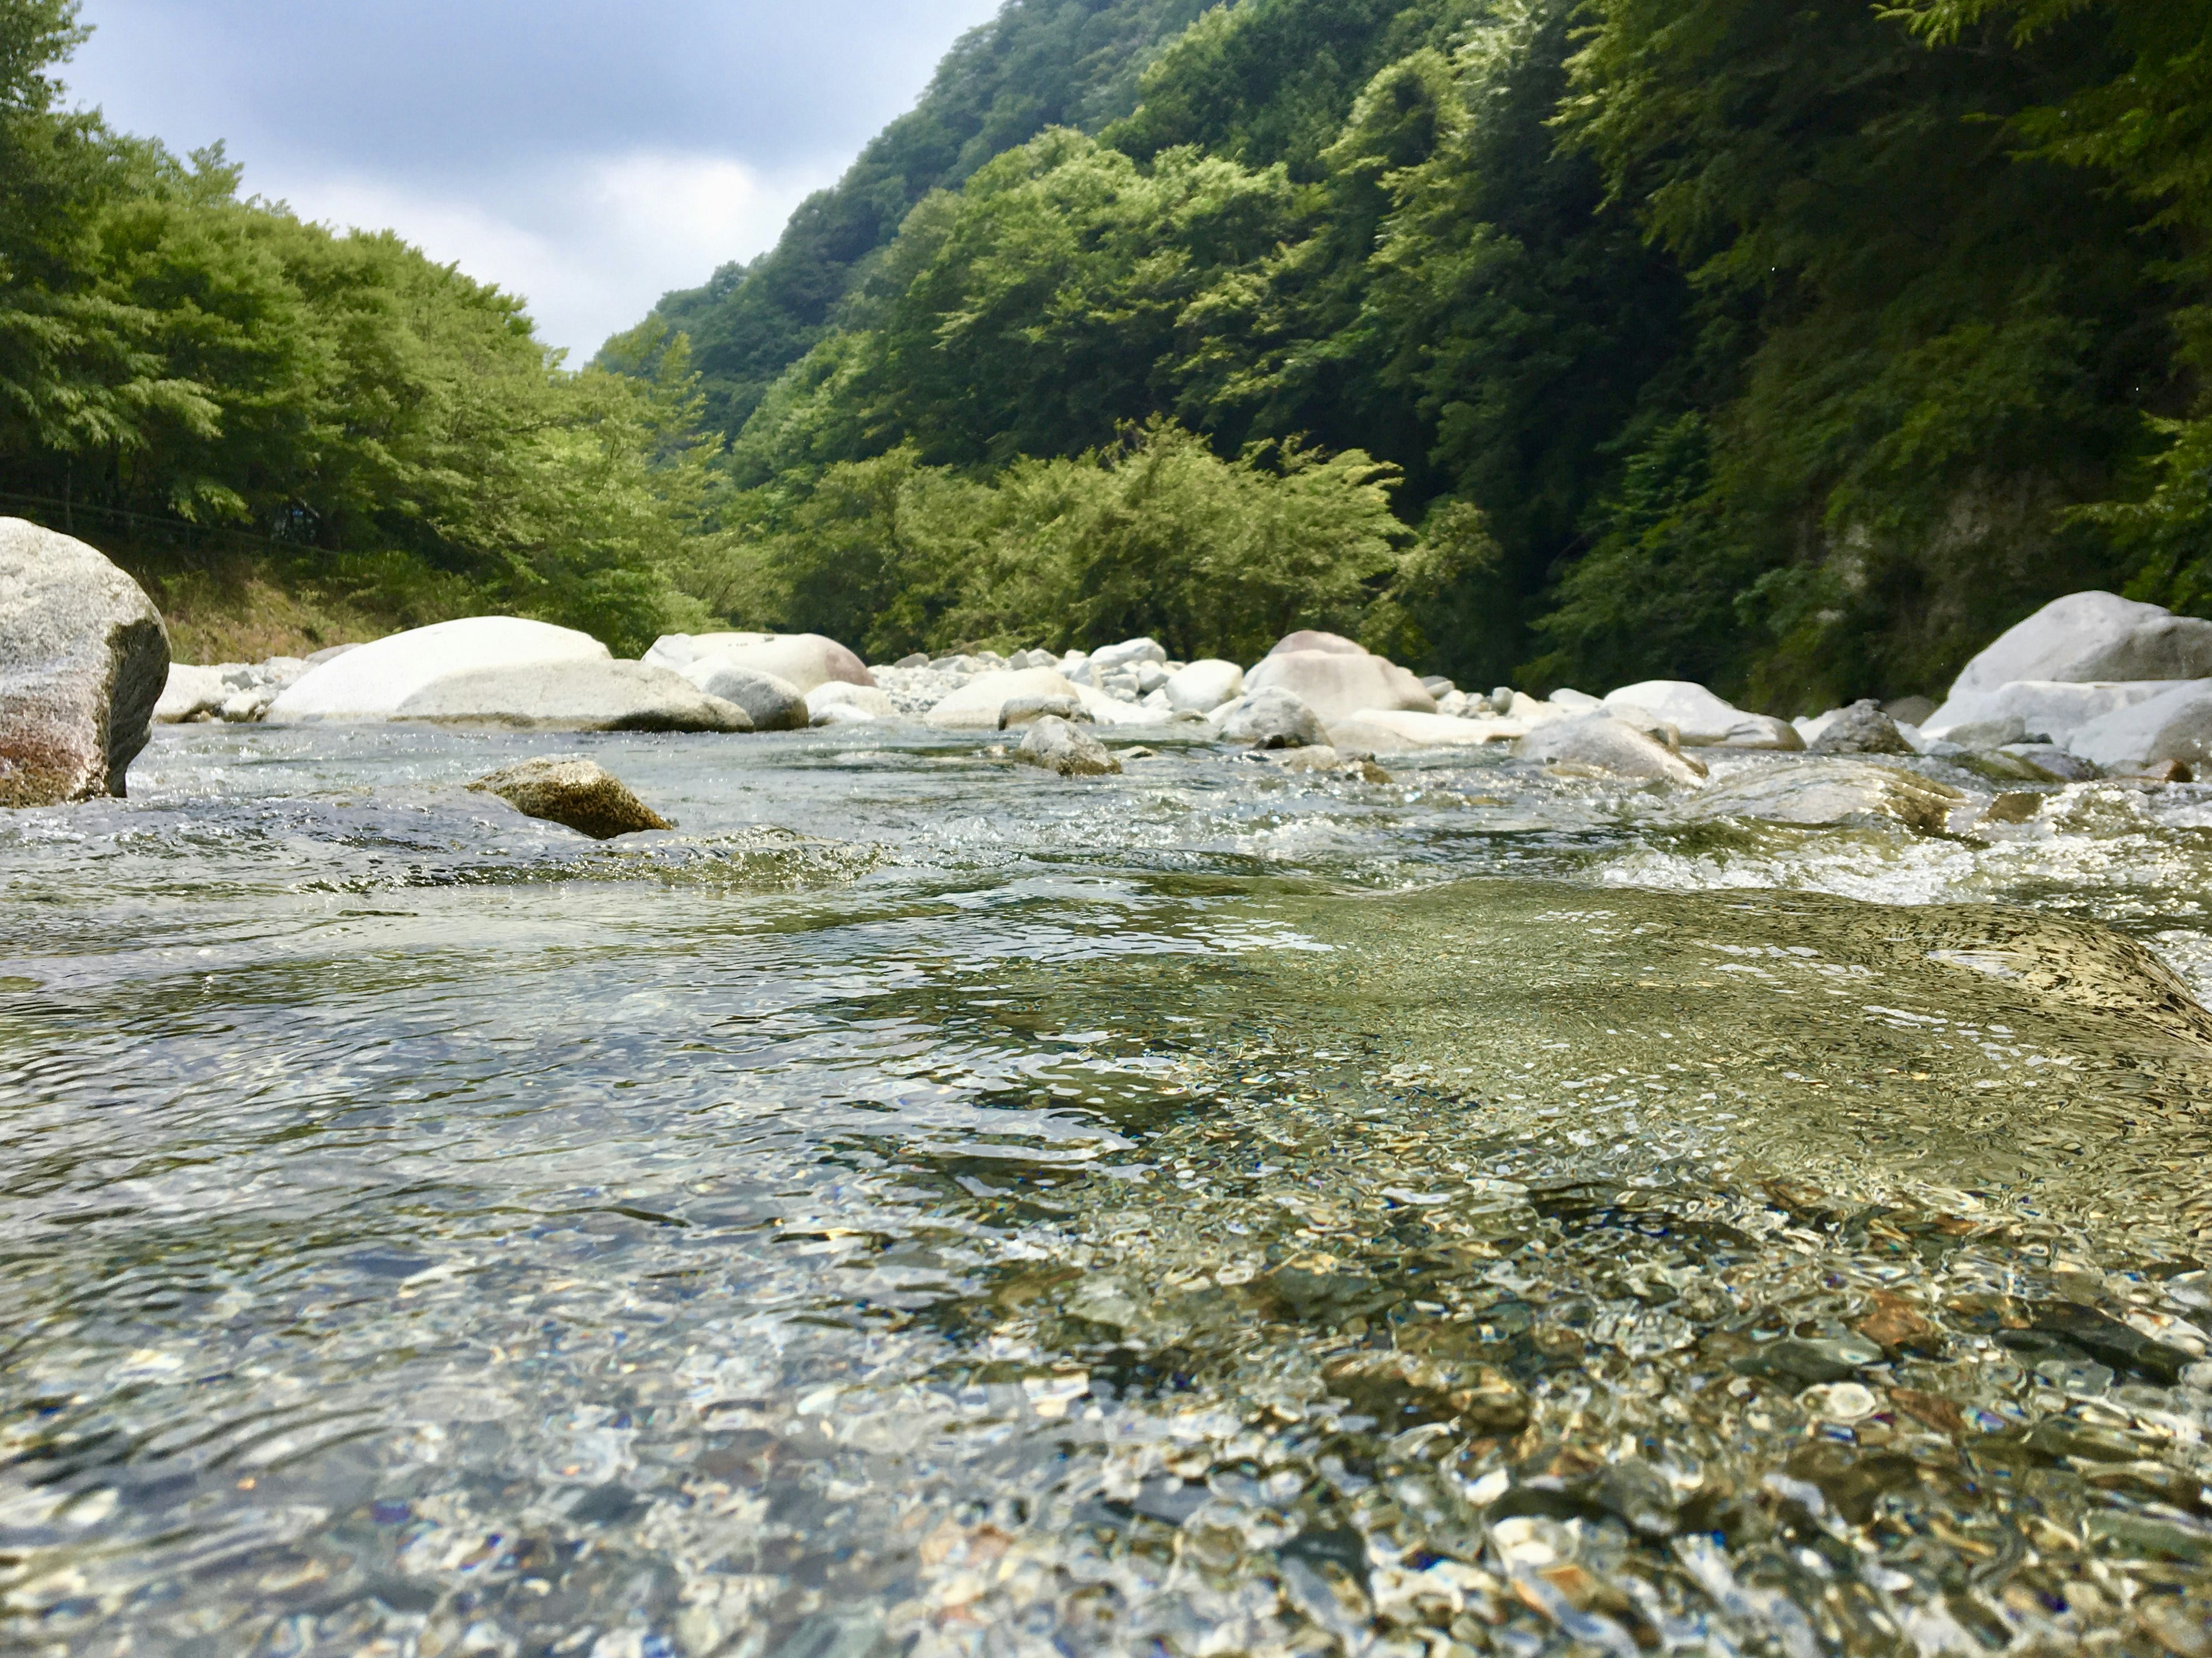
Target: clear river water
[{"x": 921, "y": 1205}]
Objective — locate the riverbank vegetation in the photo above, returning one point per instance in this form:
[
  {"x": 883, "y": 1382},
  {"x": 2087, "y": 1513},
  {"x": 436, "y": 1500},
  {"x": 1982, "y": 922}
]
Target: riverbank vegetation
[{"x": 1795, "y": 349}]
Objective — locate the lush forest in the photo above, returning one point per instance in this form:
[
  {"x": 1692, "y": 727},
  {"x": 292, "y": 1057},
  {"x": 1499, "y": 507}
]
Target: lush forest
[{"x": 1792, "y": 345}]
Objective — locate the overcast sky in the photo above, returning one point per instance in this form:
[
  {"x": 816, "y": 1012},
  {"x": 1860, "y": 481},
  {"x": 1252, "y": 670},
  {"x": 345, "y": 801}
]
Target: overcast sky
[{"x": 588, "y": 156}]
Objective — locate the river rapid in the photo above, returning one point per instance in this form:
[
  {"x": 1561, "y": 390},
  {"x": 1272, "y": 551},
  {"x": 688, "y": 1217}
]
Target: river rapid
[{"x": 923, "y": 1205}]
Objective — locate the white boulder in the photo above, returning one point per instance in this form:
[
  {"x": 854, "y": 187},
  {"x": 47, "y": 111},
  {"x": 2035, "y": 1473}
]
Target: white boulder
[
  {"x": 801, "y": 661},
  {"x": 581, "y": 695},
  {"x": 1127, "y": 654},
  {"x": 1204, "y": 686},
  {"x": 2175, "y": 725},
  {"x": 1703, "y": 719},
  {"x": 1574, "y": 702},
  {"x": 1307, "y": 638},
  {"x": 193, "y": 693},
  {"x": 836, "y": 704},
  {"x": 975, "y": 704},
  {"x": 1268, "y": 719},
  {"x": 1337, "y": 684},
  {"x": 2083, "y": 638},
  {"x": 1415, "y": 730},
  {"x": 2056, "y": 709},
  {"x": 371, "y": 682}
]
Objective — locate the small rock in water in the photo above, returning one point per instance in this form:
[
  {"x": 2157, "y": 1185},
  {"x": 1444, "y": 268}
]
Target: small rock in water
[
  {"x": 1028, "y": 710},
  {"x": 574, "y": 792},
  {"x": 1204, "y": 686},
  {"x": 1057, "y": 746},
  {"x": 2014, "y": 806},
  {"x": 1823, "y": 793},
  {"x": 1862, "y": 728},
  {"x": 1603, "y": 743},
  {"x": 1270, "y": 719}
]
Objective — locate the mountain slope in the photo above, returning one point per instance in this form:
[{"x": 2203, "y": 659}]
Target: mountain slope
[{"x": 1039, "y": 64}]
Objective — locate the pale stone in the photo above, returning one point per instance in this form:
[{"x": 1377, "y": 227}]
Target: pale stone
[
  {"x": 579, "y": 696},
  {"x": 975, "y": 704},
  {"x": 2174, "y": 725},
  {"x": 837, "y": 703},
  {"x": 1599, "y": 743},
  {"x": 2055, "y": 709},
  {"x": 1336, "y": 684},
  {"x": 372, "y": 681},
  {"x": 2088, "y": 637},
  {"x": 1422, "y": 730},
  {"x": 803, "y": 661},
  {"x": 1068, "y": 750},
  {"x": 1268, "y": 719},
  {"x": 83, "y": 659},
  {"x": 1205, "y": 685},
  {"x": 1129, "y": 653},
  {"x": 772, "y": 704},
  {"x": 1701, "y": 718},
  {"x": 1307, "y": 638},
  {"x": 1824, "y": 794}
]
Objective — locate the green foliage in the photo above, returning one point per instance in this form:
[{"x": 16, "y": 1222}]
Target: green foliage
[
  {"x": 1040, "y": 64},
  {"x": 394, "y": 432},
  {"x": 1153, "y": 534}
]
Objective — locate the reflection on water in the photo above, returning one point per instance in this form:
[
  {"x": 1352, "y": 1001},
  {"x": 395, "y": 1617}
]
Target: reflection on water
[{"x": 922, "y": 1206}]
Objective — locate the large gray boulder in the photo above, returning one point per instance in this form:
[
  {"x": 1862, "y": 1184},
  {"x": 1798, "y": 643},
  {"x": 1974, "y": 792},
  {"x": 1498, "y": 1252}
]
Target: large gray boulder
[
  {"x": 1702, "y": 719},
  {"x": 1827, "y": 793},
  {"x": 772, "y": 704},
  {"x": 1068, "y": 750},
  {"x": 2085, "y": 637},
  {"x": 1599, "y": 743},
  {"x": 372, "y": 681},
  {"x": 84, "y": 658},
  {"x": 577, "y": 696},
  {"x": 575, "y": 793},
  {"x": 1337, "y": 684},
  {"x": 2175, "y": 725},
  {"x": 1269, "y": 719}
]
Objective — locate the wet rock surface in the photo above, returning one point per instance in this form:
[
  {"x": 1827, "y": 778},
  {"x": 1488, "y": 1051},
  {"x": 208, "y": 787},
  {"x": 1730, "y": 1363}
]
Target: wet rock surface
[
  {"x": 1057, "y": 745},
  {"x": 1824, "y": 794},
  {"x": 84, "y": 658},
  {"x": 574, "y": 792}
]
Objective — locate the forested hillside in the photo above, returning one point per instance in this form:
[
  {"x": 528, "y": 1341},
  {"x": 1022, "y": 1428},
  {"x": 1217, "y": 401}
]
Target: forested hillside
[{"x": 1795, "y": 347}]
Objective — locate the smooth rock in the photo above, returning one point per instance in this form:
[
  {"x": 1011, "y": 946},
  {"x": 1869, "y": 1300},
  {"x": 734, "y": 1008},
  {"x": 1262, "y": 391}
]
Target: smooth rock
[
  {"x": 1028, "y": 710},
  {"x": 1600, "y": 742},
  {"x": 1269, "y": 719},
  {"x": 191, "y": 693},
  {"x": 1107, "y": 709},
  {"x": 83, "y": 659},
  {"x": 1205, "y": 686},
  {"x": 1702, "y": 718},
  {"x": 835, "y": 702},
  {"x": 1336, "y": 685},
  {"x": 1574, "y": 702},
  {"x": 2050, "y": 708},
  {"x": 1765, "y": 732},
  {"x": 1356, "y": 736},
  {"x": 1307, "y": 638},
  {"x": 1824, "y": 793},
  {"x": 1126, "y": 655},
  {"x": 2091, "y": 636},
  {"x": 2175, "y": 725},
  {"x": 801, "y": 661},
  {"x": 1862, "y": 728},
  {"x": 1068, "y": 750},
  {"x": 772, "y": 704},
  {"x": 1424, "y": 731},
  {"x": 1151, "y": 677},
  {"x": 372, "y": 681},
  {"x": 975, "y": 704},
  {"x": 574, "y": 792},
  {"x": 2061, "y": 764},
  {"x": 1910, "y": 710},
  {"x": 579, "y": 696}
]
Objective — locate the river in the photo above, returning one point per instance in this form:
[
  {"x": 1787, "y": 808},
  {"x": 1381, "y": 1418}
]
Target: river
[{"x": 922, "y": 1206}]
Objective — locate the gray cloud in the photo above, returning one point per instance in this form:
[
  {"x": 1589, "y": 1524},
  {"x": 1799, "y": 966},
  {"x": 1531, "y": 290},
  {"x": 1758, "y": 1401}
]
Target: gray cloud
[{"x": 589, "y": 155}]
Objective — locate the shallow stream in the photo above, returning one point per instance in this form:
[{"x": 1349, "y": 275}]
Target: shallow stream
[{"x": 921, "y": 1205}]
